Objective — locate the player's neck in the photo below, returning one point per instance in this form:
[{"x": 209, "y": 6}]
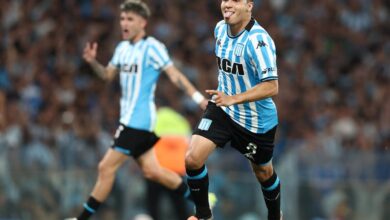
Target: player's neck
[
  {"x": 138, "y": 37},
  {"x": 235, "y": 29}
]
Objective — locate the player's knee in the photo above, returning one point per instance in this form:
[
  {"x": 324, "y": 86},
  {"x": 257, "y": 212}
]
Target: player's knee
[
  {"x": 150, "y": 173},
  {"x": 263, "y": 173},
  {"x": 192, "y": 162},
  {"x": 105, "y": 170}
]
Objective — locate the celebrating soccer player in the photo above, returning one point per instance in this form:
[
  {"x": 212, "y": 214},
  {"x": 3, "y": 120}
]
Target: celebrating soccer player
[{"x": 241, "y": 109}]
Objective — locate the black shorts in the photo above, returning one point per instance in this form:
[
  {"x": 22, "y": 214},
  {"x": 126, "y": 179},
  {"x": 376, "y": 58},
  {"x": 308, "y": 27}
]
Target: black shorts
[
  {"x": 133, "y": 142},
  {"x": 218, "y": 127}
]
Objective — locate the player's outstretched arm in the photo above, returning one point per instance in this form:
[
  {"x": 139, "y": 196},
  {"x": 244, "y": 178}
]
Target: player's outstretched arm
[
  {"x": 89, "y": 56},
  {"x": 184, "y": 84},
  {"x": 260, "y": 91}
]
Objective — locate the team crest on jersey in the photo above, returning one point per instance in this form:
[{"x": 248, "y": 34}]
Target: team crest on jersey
[{"x": 239, "y": 49}]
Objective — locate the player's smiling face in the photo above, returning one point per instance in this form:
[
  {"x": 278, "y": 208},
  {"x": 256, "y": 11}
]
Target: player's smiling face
[
  {"x": 131, "y": 24},
  {"x": 235, "y": 11}
]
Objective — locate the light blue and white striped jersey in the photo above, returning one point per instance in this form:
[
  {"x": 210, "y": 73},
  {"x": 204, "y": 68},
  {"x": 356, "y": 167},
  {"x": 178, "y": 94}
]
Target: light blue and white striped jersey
[
  {"x": 244, "y": 61},
  {"x": 140, "y": 65}
]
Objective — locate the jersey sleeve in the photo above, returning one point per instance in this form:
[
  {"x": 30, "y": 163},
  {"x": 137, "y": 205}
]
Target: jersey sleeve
[
  {"x": 262, "y": 53},
  {"x": 115, "y": 57},
  {"x": 158, "y": 56}
]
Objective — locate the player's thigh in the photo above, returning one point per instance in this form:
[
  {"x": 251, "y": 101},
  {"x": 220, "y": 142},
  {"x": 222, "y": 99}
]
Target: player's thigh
[
  {"x": 199, "y": 150},
  {"x": 258, "y": 148},
  {"x": 112, "y": 159},
  {"x": 148, "y": 162}
]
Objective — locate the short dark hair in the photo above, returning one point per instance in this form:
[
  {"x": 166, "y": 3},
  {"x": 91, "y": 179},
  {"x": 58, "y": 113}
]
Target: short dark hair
[{"x": 137, "y": 6}]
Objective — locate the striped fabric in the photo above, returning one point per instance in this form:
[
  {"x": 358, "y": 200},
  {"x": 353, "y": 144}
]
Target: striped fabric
[
  {"x": 244, "y": 61},
  {"x": 140, "y": 65}
]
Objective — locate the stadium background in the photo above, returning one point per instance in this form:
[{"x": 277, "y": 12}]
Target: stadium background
[{"x": 57, "y": 117}]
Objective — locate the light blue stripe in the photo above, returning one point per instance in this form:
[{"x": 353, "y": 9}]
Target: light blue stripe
[
  {"x": 258, "y": 31},
  {"x": 91, "y": 210},
  {"x": 122, "y": 150},
  {"x": 200, "y": 176},
  {"x": 247, "y": 112},
  {"x": 254, "y": 56},
  {"x": 264, "y": 52},
  {"x": 160, "y": 56},
  {"x": 224, "y": 77},
  {"x": 273, "y": 185},
  {"x": 232, "y": 76}
]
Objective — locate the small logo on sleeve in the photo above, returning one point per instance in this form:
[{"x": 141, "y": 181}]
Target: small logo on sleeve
[{"x": 260, "y": 44}]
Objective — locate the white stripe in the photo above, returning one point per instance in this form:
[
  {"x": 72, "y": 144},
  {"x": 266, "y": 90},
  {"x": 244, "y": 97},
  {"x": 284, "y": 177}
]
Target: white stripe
[
  {"x": 257, "y": 56},
  {"x": 128, "y": 59},
  {"x": 252, "y": 105},
  {"x": 136, "y": 90},
  {"x": 236, "y": 77}
]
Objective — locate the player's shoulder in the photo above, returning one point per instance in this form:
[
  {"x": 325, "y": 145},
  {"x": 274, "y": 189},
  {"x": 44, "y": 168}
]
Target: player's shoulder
[
  {"x": 154, "y": 41},
  {"x": 220, "y": 24},
  {"x": 259, "y": 33},
  {"x": 122, "y": 45},
  {"x": 218, "y": 27},
  {"x": 257, "y": 30}
]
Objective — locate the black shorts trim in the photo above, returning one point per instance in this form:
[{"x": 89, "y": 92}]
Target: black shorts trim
[{"x": 133, "y": 142}]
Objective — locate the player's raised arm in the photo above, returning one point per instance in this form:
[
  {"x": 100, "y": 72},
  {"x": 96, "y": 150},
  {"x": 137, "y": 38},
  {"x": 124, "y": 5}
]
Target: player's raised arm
[
  {"x": 89, "y": 56},
  {"x": 184, "y": 84}
]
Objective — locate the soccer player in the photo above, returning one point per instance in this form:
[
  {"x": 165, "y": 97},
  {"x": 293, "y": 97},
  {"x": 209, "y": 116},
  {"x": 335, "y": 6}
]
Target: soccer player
[
  {"x": 241, "y": 110},
  {"x": 139, "y": 59}
]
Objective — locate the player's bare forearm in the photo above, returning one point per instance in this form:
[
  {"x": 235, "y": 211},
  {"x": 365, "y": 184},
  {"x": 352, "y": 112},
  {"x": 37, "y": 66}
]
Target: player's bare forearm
[
  {"x": 261, "y": 91},
  {"x": 180, "y": 80},
  {"x": 106, "y": 73},
  {"x": 185, "y": 85},
  {"x": 98, "y": 68}
]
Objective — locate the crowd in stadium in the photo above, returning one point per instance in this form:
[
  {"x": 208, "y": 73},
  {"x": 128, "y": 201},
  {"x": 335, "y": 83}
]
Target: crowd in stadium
[{"x": 55, "y": 114}]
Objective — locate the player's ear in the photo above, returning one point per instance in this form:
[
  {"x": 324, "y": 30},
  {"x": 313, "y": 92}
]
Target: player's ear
[
  {"x": 250, "y": 6},
  {"x": 144, "y": 23}
]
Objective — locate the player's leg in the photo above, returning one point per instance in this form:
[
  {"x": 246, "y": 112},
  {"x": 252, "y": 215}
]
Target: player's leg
[
  {"x": 270, "y": 185},
  {"x": 153, "y": 171},
  {"x": 258, "y": 148},
  {"x": 179, "y": 204},
  {"x": 197, "y": 175},
  {"x": 107, "y": 169},
  {"x": 154, "y": 192},
  {"x": 212, "y": 131}
]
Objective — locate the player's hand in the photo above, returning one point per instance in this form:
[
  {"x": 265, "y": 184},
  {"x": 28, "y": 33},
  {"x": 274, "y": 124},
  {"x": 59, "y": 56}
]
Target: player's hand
[
  {"x": 90, "y": 51},
  {"x": 220, "y": 98}
]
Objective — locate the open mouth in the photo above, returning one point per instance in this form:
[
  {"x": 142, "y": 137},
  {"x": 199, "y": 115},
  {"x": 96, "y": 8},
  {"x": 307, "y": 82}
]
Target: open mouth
[{"x": 228, "y": 14}]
